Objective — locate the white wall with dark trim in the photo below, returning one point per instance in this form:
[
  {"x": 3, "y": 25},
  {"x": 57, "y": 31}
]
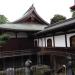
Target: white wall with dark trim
[
  {"x": 59, "y": 40},
  {"x": 68, "y": 38},
  {"x": 51, "y": 39}
]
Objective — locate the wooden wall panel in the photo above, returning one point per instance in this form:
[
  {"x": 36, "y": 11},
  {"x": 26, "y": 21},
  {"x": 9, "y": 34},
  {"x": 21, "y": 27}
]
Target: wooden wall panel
[{"x": 18, "y": 44}]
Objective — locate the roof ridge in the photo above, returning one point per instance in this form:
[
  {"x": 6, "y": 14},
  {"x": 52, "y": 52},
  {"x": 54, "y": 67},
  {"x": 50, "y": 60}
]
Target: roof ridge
[
  {"x": 29, "y": 12},
  {"x": 31, "y": 8}
]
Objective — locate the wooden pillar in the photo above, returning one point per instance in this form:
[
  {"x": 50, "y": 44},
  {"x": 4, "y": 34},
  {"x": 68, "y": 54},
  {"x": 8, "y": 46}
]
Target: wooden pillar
[
  {"x": 54, "y": 65},
  {"x": 65, "y": 39},
  {"x": 16, "y": 34},
  {"x": 4, "y": 64},
  {"x": 51, "y": 61},
  {"x": 41, "y": 42},
  {"x": 22, "y": 61},
  {"x": 69, "y": 66},
  {"x": 13, "y": 62},
  {"x": 45, "y": 41},
  {"x": 38, "y": 41},
  {"x": 38, "y": 59},
  {"x": 42, "y": 59},
  {"x": 53, "y": 41}
]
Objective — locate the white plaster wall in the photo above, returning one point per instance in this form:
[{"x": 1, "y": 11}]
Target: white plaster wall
[
  {"x": 43, "y": 41},
  {"x": 68, "y": 38},
  {"x": 60, "y": 41},
  {"x": 51, "y": 39},
  {"x": 40, "y": 42}
]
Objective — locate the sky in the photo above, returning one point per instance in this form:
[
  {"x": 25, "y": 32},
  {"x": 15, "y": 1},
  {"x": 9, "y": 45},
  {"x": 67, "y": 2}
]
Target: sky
[{"x": 14, "y": 9}]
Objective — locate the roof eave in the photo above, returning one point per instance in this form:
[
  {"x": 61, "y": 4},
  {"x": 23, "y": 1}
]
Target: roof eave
[{"x": 57, "y": 25}]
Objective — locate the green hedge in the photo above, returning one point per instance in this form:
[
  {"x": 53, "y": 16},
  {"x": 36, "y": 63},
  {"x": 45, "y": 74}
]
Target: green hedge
[{"x": 3, "y": 38}]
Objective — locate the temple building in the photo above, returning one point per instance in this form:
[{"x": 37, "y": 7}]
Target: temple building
[{"x": 33, "y": 38}]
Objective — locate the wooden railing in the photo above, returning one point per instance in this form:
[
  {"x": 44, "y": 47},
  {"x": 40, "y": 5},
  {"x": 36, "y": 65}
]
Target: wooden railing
[
  {"x": 9, "y": 53},
  {"x": 57, "y": 51},
  {"x": 37, "y": 50},
  {"x": 18, "y": 44}
]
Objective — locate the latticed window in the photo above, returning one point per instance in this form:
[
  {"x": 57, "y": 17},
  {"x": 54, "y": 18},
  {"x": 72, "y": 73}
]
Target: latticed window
[
  {"x": 72, "y": 41},
  {"x": 49, "y": 43}
]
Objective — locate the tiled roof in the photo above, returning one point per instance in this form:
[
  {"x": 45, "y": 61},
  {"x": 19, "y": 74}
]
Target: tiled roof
[
  {"x": 24, "y": 27},
  {"x": 65, "y": 23},
  {"x": 28, "y": 14}
]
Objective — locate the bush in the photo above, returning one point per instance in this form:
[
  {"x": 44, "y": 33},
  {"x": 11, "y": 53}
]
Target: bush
[
  {"x": 41, "y": 69},
  {"x": 3, "y": 38}
]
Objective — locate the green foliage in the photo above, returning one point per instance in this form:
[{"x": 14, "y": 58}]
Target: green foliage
[
  {"x": 2, "y": 73},
  {"x": 73, "y": 14},
  {"x": 41, "y": 70},
  {"x": 3, "y": 38},
  {"x": 73, "y": 66},
  {"x": 3, "y": 19},
  {"x": 74, "y": 70},
  {"x": 57, "y": 18}
]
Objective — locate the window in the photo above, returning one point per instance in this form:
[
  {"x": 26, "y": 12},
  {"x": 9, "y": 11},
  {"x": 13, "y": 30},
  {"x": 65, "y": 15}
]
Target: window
[
  {"x": 49, "y": 43},
  {"x": 72, "y": 41}
]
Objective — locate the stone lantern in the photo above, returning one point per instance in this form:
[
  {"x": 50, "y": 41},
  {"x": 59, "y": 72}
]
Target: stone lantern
[{"x": 28, "y": 67}]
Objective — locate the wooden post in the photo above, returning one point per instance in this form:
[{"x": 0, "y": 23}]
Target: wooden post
[
  {"x": 54, "y": 66},
  {"x": 16, "y": 34},
  {"x": 53, "y": 40},
  {"x": 65, "y": 39},
  {"x": 38, "y": 59},
  {"x": 42, "y": 42},
  {"x": 42, "y": 59},
  {"x": 4, "y": 64},
  {"x": 38, "y": 42},
  {"x": 13, "y": 61},
  {"x": 45, "y": 41},
  {"x": 69, "y": 66}
]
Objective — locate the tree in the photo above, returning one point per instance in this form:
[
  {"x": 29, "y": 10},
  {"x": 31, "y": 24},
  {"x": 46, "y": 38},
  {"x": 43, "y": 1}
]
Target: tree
[
  {"x": 57, "y": 18},
  {"x": 3, "y": 37},
  {"x": 73, "y": 14},
  {"x": 3, "y": 19}
]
